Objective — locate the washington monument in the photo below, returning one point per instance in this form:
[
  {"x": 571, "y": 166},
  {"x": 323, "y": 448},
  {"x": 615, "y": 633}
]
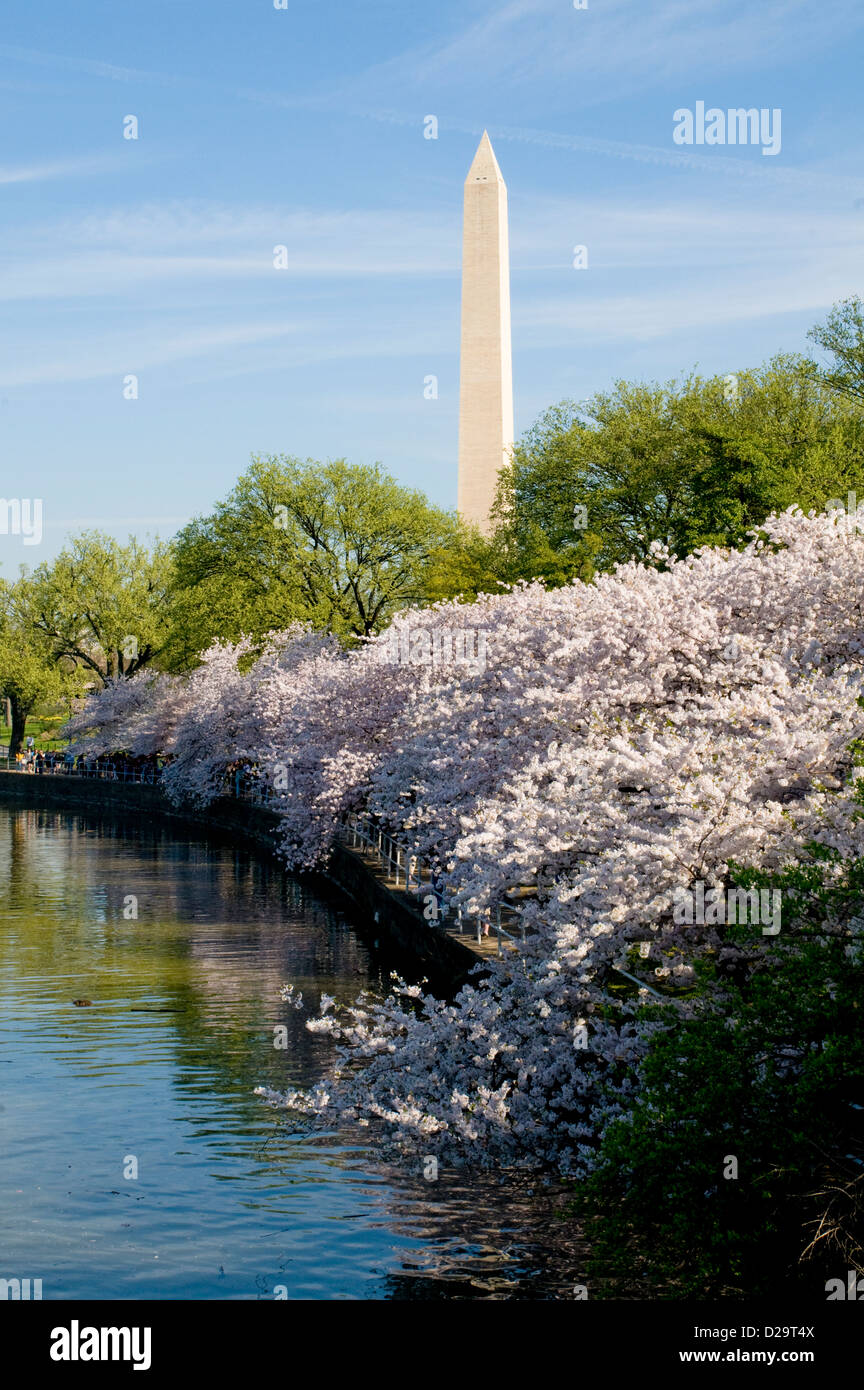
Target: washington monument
[{"x": 486, "y": 369}]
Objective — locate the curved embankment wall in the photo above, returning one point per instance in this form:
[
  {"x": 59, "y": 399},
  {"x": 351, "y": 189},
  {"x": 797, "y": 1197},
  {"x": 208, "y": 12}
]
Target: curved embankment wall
[{"x": 378, "y": 915}]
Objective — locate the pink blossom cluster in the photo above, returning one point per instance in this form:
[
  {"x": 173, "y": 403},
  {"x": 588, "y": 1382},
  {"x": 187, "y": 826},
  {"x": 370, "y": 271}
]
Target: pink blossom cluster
[{"x": 626, "y": 739}]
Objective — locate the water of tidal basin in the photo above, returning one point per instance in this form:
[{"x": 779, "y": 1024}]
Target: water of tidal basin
[{"x": 232, "y": 1200}]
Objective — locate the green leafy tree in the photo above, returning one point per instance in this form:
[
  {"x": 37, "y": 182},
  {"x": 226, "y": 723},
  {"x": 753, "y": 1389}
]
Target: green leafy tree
[
  {"x": 841, "y": 336},
  {"x": 476, "y": 564},
  {"x": 699, "y": 462},
  {"x": 100, "y": 605},
  {"x": 29, "y": 674},
  {"x": 340, "y": 545}
]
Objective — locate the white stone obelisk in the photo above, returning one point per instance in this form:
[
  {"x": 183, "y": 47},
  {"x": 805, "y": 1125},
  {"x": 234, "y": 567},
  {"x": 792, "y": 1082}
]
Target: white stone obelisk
[{"x": 486, "y": 368}]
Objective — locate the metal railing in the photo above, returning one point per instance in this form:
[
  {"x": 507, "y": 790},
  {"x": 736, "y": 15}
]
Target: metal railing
[
  {"x": 253, "y": 790},
  {"x": 404, "y": 866},
  {"x": 104, "y": 772}
]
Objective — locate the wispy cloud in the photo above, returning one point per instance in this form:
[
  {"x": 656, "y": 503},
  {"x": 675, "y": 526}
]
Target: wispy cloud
[
  {"x": 556, "y": 321},
  {"x": 751, "y": 236},
  {"x": 128, "y": 249},
  {"x": 130, "y": 252},
  {"x": 91, "y": 67},
  {"x": 746, "y": 168},
  {"x": 611, "y": 47},
  {"x": 62, "y": 169},
  {"x": 523, "y": 40},
  {"x": 654, "y": 270},
  {"x": 117, "y": 356},
  {"x": 620, "y": 45}
]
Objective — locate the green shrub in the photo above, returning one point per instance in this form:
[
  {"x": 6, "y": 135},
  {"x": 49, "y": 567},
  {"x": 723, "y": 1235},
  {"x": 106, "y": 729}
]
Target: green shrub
[{"x": 766, "y": 1081}]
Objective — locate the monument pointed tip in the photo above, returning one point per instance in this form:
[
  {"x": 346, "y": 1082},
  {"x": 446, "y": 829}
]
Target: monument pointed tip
[{"x": 485, "y": 167}]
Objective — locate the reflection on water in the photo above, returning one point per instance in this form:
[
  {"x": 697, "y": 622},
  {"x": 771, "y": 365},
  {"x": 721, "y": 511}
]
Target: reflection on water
[{"x": 231, "y": 1199}]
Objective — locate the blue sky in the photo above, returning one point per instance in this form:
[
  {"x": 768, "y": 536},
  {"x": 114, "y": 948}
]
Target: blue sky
[{"x": 304, "y": 127}]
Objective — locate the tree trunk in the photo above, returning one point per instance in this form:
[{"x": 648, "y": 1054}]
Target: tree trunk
[{"x": 19, "y": 725}]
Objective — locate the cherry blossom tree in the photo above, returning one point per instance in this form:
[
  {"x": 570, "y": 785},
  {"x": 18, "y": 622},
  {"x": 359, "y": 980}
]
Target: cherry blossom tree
[{"x": 619, "y": 743}]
